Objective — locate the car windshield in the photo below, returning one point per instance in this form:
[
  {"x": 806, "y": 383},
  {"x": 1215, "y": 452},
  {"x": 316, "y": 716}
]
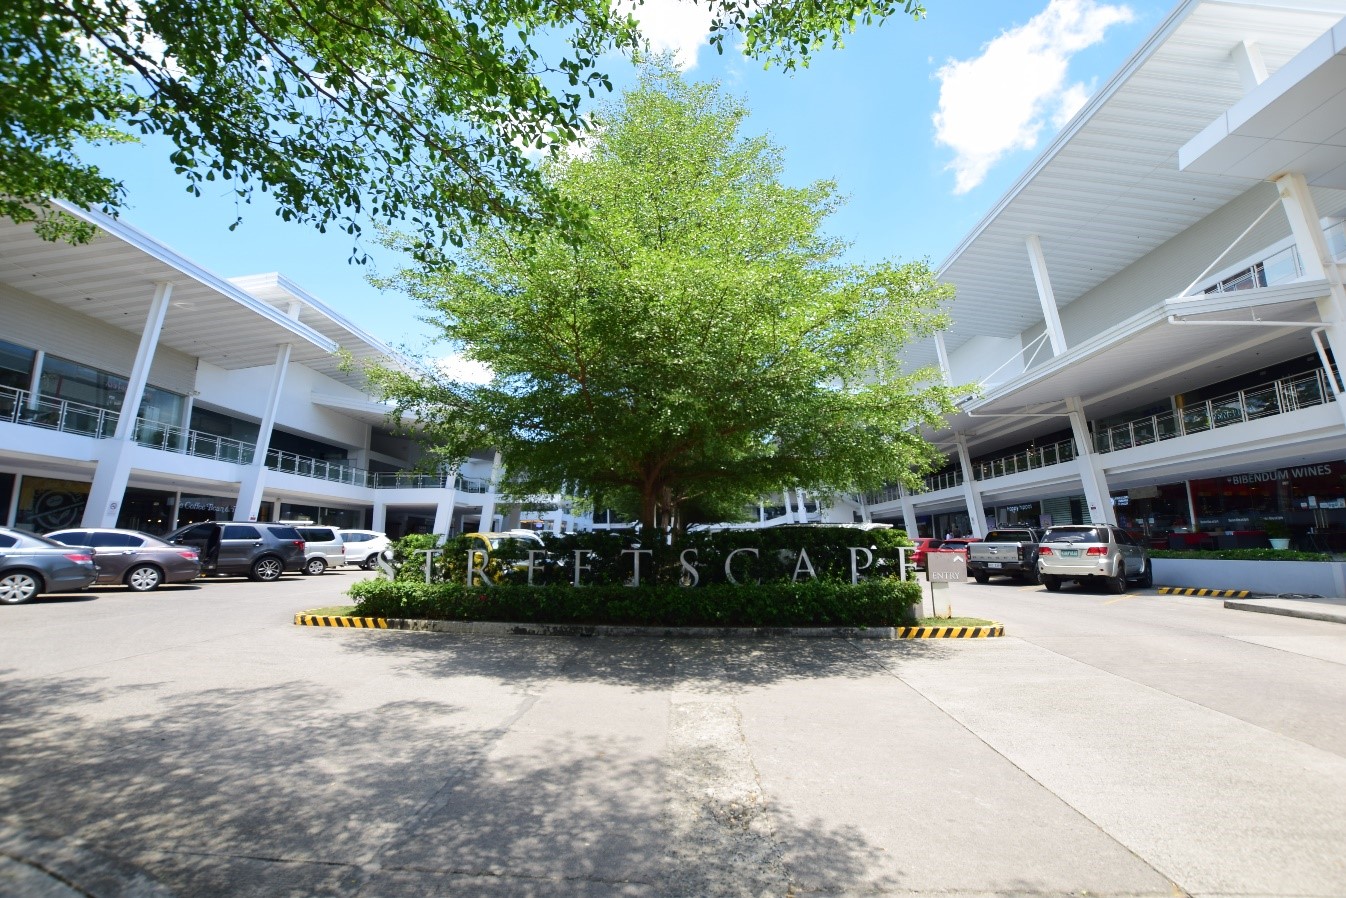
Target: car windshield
[{"x": 1074, "y": 535}]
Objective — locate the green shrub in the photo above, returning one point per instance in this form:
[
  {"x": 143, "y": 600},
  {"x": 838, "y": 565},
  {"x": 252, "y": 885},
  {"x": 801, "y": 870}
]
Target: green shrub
[
  {"x": 879, "y": 602},
  {"x": 1242, "y": 555}
]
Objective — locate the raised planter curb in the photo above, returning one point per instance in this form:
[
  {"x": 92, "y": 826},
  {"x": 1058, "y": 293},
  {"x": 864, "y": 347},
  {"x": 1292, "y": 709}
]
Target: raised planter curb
[
  {"x": 1298, "y": 608},
  {"x": 494, "y": 628},
  {"x": 1212, "y": 593},
  {"x": 1262, "y": 577},
  {"x": 949, "y": 632}
]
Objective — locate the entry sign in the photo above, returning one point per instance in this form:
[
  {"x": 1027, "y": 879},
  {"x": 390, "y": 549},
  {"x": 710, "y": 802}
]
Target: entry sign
[{"x": 946, "y": 567}]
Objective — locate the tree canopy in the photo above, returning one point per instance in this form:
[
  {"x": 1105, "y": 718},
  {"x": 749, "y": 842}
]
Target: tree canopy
[
  {"x": 703, "y": 340},
  {"x": 416, "y": 112}
]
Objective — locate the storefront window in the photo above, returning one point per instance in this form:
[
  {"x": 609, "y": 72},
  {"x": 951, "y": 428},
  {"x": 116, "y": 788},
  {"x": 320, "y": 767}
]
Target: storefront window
[
  {"x": 16, "y": 366},
  {"x": 80, "y": 383},
  {"x": 343, "y": 518},
  {"x": 147, "y": 510},
  {"x": 47, "y": 504},
  {"x": 193, "y": 509}
]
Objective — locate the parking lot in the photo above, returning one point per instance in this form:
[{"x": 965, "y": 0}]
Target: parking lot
[{"x": 1133, "y": 744}]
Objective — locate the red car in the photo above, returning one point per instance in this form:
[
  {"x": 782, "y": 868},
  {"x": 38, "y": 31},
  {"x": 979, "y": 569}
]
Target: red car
[
  {"x": 957, "y": 544},
  {"x": 924, "y": 544}
]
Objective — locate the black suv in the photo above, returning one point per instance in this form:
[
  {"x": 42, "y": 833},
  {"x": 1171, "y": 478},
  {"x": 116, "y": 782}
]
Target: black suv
[{"x": 260, "y": 551}]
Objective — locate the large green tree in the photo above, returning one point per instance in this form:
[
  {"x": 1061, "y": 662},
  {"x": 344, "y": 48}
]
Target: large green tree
[
  {"x": 702, "y": 340},
  {"x": 407, "y": 111}
]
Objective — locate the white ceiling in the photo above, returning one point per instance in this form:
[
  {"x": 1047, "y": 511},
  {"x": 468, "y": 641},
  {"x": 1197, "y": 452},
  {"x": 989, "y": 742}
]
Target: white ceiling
[{"x": 1108, "y": 190}]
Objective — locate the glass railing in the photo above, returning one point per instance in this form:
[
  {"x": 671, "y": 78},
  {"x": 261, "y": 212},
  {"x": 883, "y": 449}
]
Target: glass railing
[
  {"x": 23, "y": 407},
  {"x": 306, "y": 466},
  {"x": 943, "y": 481},
  {"x": 168, "y": 438},
  {"x": 1276, "y": 398},
  {"x": 409, "y": 480},
  {"x": 1025, "y": 460}
]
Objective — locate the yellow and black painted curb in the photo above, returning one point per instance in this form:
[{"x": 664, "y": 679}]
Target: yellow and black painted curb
[
  {"x": 359, "y": 623},
  {"x": 1211, "y": 593},
  {"x": 948, "y": 632}
]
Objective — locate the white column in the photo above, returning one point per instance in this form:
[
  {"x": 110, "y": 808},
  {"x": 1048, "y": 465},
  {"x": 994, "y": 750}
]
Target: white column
[
  {"x": 1050, "y": 313},
  {"x": 942, "y": 353},
  {"x": 800, "y": 509},
  {"x": 114, "y": 455},
  {"x": 379, "y": 520},
  {"x": 1248, "y": 60},
  {"x": 1317, "y": 260},
  {"x": 487, "y": 524},
  {"x": 448, "y": 500},
  {"x": 789, "y": 508},
  {"x": 1091, "y": 474},
  {"x": 976, "y": 515},
  {"x": 254, "y": 481},
  {"x": 908, "y": 512}
]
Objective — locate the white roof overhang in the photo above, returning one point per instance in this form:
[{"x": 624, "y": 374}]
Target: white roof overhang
[
  {"x": 375, "y": 414},
  {"x": 1146, "y": 358},
  {"x": 1295, "y": 121},
  {"x": 1108, "y": 190},
  {"x": 112, "y": 279}
]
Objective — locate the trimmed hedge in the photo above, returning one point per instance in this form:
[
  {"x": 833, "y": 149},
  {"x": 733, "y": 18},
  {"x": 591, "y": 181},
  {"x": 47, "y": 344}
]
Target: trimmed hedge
[
  {"x": 880, "y": 602},
  {"x": 1241, "y": 554}
]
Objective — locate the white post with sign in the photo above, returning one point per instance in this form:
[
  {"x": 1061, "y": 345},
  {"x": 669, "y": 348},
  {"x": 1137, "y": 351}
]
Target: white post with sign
[{"x": 941, "y": 569}]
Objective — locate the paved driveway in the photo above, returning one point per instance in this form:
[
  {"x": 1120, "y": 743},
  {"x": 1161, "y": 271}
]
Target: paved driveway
[{"x": 1136, "y": 745}]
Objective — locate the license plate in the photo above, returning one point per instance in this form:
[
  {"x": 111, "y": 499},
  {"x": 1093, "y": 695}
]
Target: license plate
[
  {"x": 993, "y": 564},
  {"x": 1070, "y": 553}
]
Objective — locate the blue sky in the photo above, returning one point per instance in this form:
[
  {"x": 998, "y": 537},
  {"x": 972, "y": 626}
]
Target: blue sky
[{"x": 924, "y": 125}]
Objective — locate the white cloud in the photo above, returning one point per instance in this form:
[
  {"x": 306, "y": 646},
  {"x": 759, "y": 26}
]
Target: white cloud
[
  {"x": 998, "y": 102},
  {"x": 463, "y": 370},
  {"x": 676, "y": 26}
]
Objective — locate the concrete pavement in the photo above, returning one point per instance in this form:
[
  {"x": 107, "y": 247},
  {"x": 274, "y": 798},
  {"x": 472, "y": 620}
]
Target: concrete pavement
[{"x": 1118, "y": 745}]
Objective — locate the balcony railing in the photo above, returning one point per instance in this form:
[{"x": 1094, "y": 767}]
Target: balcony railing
[
  {"x": 1025, "y": 460},
  {"x": 405, "y": 480},
  {"x": 35, "y": 410},
  {"x": 168, "y": 438},
  {"x": 943, "y": 481},
  {"x": 306, "y": 466},
  {"x": 1276, "y": 398}
]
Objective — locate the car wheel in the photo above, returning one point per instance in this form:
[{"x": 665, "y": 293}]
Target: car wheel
[
  {"x": 18, "y": 587},
  {"x": 315, "y": 566},
  {"x": 1053, "y": 584},
  {"x": 268, "y": 567},
  {"x": 1117, "y": 585},
  {"x": 143, "y": 578},
  {"x": 1032, "y": 576},
  {"x": 1147, "y": 578},
  {"x": 981, "y": 578}
]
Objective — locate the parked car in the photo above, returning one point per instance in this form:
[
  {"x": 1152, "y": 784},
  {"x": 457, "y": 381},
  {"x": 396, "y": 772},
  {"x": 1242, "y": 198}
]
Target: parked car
[
  {"x": 957, "y": 544},
  {"x": 1009, "y": 551},
  {"x": 257, "y": 551},
  {"x": 1093, "y": 552},
  {"x": 31, "y": 565},
  {"x": 924, "y": 544},
  {"x": 139, "y": 560},
  {"x": 323, "y": 546},
  {"x": 363, "y": 546}
]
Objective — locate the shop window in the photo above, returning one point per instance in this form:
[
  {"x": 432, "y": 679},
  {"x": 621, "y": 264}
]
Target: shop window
[
  {"x": 47, "y": 504},
  {"x": 16, "y": 366}
]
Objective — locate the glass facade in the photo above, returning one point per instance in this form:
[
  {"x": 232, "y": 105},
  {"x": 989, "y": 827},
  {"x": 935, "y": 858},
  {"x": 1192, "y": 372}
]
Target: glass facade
[
  {"x": 344, "y": 518},
  {"x": 16, "y": 366},
  {"x": 192, "y": 509},
  {"x": 147, "y": 510}
]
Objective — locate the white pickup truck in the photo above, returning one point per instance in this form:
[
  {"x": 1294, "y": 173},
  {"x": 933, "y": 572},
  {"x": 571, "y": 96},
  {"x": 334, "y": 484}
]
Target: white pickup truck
[{"x": 1008, "y": 551}]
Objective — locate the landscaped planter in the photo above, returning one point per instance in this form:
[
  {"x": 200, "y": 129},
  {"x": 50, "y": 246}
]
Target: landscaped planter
[{"x": 1322, "y": 578}]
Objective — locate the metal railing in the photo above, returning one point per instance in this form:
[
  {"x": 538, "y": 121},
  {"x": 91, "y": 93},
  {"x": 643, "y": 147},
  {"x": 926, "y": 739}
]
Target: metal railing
[
  {"x": 168, "y": 438},
  {"x": 1025, "y": 460},
  {"x": 24, "y": 407},
  {"x": 307, "y": 466},
  {"x": 1275, "y": 398},
  {"x": 405, "y": 480},
  {"x": 943, "y": 481}
]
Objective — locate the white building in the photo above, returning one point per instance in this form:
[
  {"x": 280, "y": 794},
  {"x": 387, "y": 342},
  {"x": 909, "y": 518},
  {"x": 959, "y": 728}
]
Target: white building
[
  {"x": 139, "y": 390},
  {"x": 1152, "y": 313}
]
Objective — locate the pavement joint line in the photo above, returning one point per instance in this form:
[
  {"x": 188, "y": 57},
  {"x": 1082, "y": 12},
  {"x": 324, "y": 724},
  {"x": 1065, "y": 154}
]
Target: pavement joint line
[
  {"x": 1209, "y": 593},
  {"x": 493, "y": 628}
]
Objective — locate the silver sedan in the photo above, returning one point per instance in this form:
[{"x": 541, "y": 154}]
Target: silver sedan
[{"x": 31, "y": 565}]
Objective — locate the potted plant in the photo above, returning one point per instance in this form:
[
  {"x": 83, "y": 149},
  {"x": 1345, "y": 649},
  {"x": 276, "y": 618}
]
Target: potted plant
[{"x": 1278, "y": 533}]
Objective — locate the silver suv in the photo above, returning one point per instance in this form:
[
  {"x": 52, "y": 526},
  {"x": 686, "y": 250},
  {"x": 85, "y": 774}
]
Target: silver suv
[
  {"x": 1083, "y": 552},
  {"x": 323, "y": 547},
  {"x": 258, "y": 551}
]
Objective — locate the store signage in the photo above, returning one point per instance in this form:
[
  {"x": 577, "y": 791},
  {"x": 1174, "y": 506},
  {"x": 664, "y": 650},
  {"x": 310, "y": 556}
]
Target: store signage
[{"x": 1322, "y": 470}]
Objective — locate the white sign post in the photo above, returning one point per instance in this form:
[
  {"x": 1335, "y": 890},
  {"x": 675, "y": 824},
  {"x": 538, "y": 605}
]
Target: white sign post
[{"x": 941, "y": 569}]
